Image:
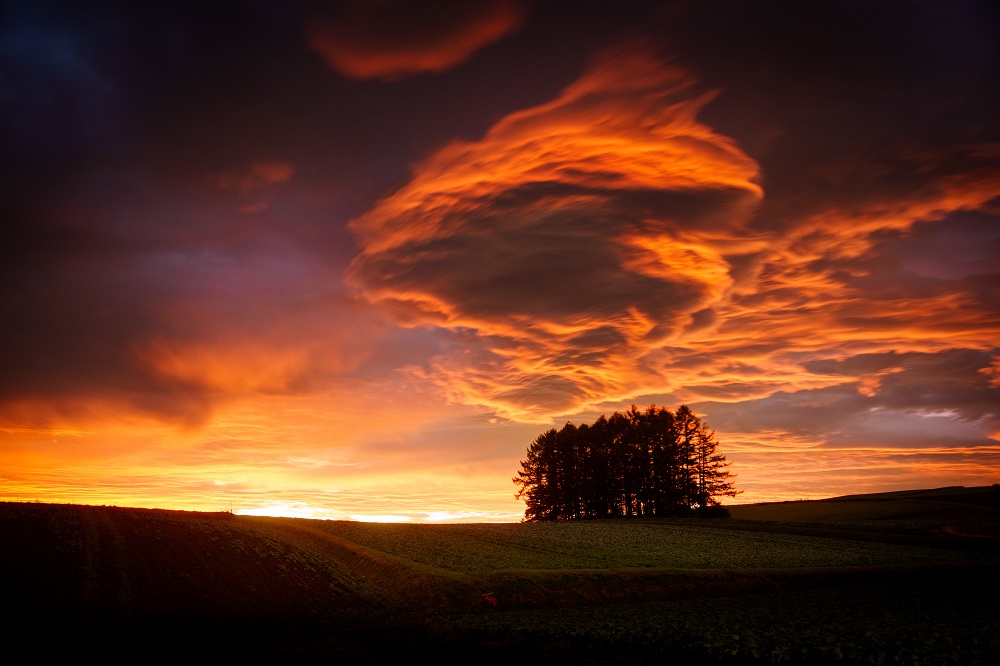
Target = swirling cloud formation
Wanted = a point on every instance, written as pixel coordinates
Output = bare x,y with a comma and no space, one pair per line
570,241
609,244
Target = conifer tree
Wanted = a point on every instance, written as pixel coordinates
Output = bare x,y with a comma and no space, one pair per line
640,463
712,470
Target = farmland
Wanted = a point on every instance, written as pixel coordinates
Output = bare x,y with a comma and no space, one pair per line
676,544
900,578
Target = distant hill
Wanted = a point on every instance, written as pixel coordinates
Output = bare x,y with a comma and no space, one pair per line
973,510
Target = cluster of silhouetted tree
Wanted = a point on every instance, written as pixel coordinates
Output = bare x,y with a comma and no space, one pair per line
640,463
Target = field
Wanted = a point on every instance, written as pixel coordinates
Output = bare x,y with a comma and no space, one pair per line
894,578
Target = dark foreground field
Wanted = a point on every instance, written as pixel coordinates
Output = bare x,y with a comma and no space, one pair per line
892,578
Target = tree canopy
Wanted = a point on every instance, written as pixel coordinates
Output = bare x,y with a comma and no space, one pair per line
640,463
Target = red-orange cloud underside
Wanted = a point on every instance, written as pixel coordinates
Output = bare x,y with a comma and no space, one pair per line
396,39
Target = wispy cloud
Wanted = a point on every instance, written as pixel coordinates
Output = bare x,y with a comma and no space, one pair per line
401,38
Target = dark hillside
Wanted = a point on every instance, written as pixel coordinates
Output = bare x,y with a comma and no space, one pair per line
127,585
109,563
963,510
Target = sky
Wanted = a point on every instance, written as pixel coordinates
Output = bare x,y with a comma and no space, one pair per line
347,260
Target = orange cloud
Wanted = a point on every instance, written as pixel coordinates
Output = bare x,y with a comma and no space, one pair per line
570,238
601,246
398,38
231,366
992,372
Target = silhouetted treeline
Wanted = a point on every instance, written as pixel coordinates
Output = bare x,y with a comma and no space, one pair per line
640,463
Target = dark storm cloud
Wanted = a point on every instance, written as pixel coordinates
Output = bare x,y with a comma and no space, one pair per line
159,253
946,381
126,298
908,400
73,297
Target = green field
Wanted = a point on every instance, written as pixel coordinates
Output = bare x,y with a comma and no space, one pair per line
894,578
676,544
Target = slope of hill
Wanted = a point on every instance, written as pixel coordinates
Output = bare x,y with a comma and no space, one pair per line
91,563
964,510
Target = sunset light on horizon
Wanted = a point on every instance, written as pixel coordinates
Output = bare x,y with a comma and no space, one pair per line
347,261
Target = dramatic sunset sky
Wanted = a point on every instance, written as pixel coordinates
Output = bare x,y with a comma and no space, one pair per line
347,260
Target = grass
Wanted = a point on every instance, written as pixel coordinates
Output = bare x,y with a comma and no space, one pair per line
842,582
679,544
